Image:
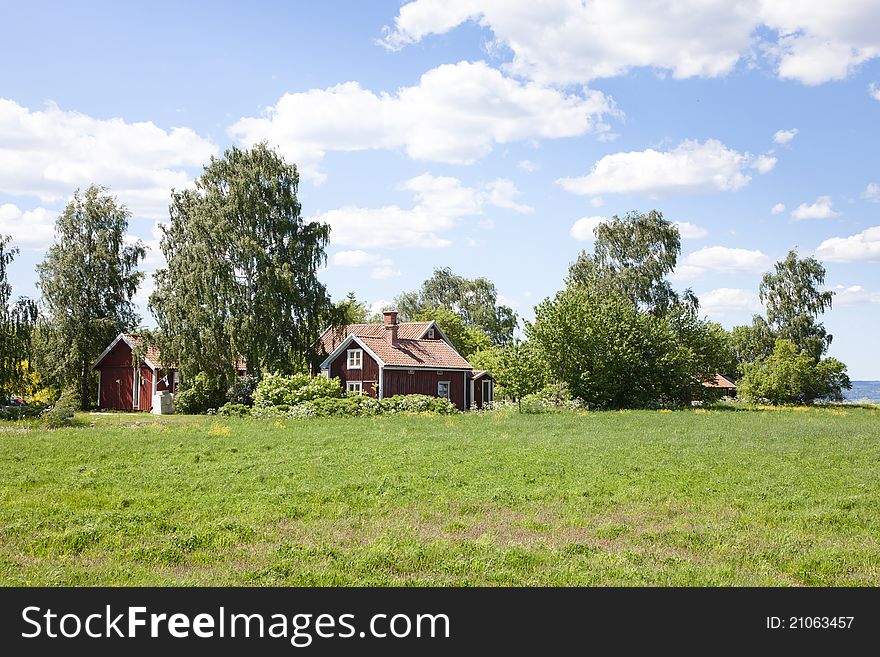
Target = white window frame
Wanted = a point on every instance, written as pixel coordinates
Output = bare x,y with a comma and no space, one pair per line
431,334
352,386
448,394
488,387
355,354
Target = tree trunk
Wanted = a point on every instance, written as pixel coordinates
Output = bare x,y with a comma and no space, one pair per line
84,388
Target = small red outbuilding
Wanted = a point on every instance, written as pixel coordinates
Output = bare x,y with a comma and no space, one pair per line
124,387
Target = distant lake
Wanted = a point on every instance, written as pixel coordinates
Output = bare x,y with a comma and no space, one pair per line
863,391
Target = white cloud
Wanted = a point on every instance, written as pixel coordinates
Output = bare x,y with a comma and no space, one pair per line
861,247
690,231
527,165
720,259
456,114
854,295
821,208
440,202
29,229
784,136
874,90
49,153
358,258
501,193
779,208
719,302
567,41
583,229
692,166
872,193
379,305
384,273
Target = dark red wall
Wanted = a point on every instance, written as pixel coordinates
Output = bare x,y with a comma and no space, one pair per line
424,382
117,381
368,375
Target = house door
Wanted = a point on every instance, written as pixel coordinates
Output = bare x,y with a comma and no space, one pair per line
487,392
117,384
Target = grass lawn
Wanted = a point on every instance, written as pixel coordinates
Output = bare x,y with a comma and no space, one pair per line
695,497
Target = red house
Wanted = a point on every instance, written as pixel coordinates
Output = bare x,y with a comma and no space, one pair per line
383,360
124,387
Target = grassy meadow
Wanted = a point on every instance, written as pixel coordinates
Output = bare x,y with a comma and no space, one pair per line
692,497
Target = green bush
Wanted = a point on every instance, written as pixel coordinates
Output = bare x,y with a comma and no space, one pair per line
62,412
418,404
791,376
242,391
198,397
234,410
276,390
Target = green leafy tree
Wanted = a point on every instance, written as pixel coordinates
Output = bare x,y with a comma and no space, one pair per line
17,321
632,256
241,279
87,280
752,342
518,368
794,299
612,355
465,339
790,375
350,311
475,301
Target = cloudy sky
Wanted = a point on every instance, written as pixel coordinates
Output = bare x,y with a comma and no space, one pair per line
490,136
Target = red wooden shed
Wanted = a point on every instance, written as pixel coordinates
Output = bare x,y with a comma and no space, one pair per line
124,387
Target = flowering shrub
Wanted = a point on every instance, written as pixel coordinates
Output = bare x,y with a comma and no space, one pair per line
277,390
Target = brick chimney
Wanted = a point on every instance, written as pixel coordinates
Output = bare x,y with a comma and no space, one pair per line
390,326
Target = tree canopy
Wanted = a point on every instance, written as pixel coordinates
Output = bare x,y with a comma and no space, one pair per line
87,280
241,279
17,321
794,298
475,301
632,255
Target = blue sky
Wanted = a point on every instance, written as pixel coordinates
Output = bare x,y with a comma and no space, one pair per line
487,136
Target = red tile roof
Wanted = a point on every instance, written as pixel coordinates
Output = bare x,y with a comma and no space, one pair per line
155,356
333,337
430,354
720,382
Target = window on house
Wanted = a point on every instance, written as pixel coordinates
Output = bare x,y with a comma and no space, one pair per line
430,334
443,389
354,386
355,359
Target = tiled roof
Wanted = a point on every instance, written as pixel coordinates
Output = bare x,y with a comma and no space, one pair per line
152,353
155,356
333,337
431,354
720,382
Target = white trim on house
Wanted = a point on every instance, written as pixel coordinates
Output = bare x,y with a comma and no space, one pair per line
433,325
355,355
122,337
136,389
343,345
99,388
381,384
351,386
488,385
464,390
472,392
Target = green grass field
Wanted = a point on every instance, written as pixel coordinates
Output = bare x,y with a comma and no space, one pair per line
718,497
